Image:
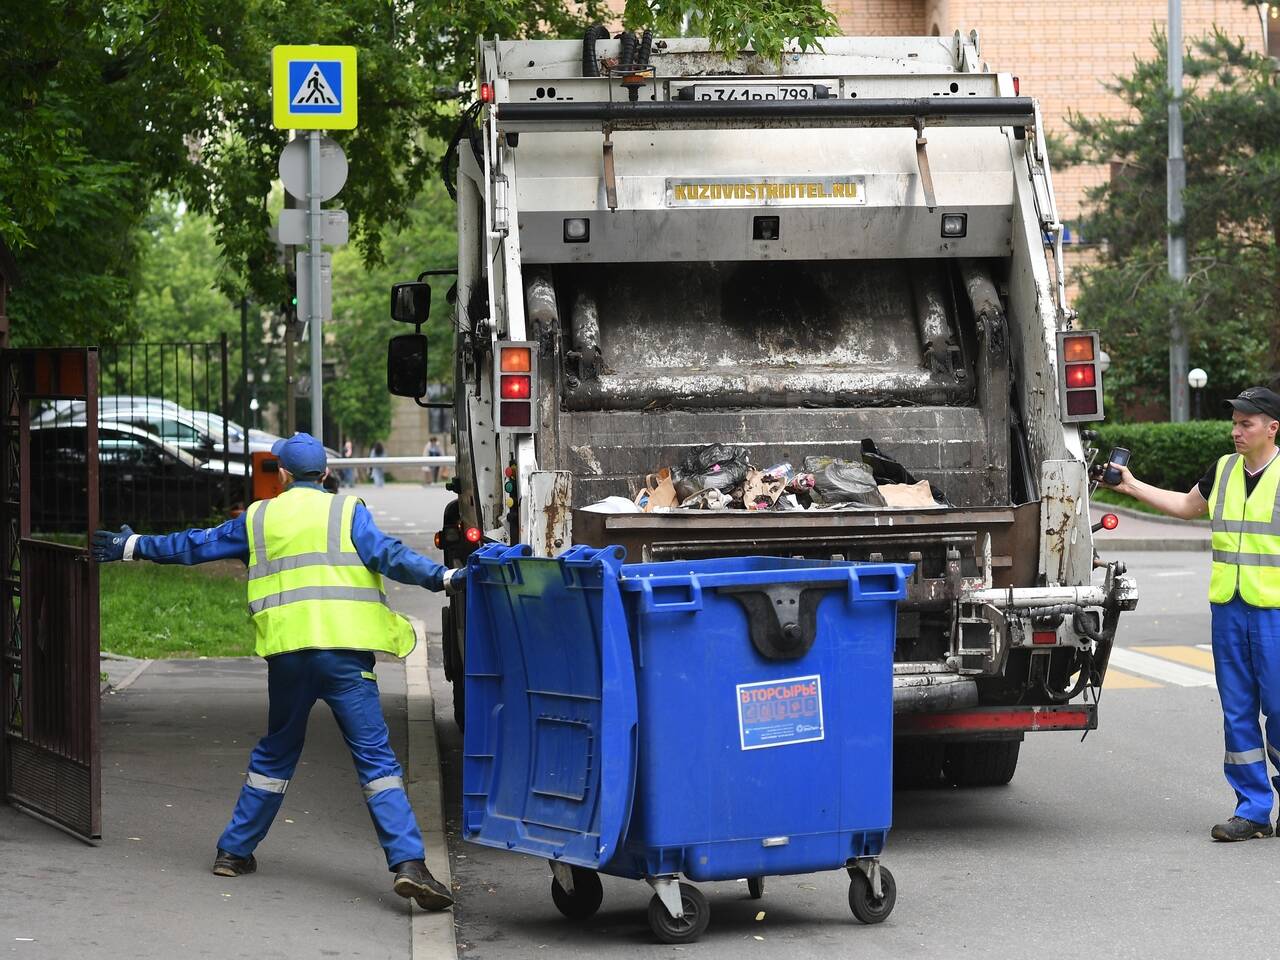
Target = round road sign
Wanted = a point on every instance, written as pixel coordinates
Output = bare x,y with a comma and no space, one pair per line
293,168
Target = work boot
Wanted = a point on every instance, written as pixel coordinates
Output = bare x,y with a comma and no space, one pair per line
414,880
1238,828
229,865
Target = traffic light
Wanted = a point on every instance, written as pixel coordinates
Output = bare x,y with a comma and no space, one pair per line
289,309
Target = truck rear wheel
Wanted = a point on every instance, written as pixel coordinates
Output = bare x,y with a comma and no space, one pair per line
917,764
981,763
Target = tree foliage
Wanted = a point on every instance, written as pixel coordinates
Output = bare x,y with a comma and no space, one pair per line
1231,119
110,102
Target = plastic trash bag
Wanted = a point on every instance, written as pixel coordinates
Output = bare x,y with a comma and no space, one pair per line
887,470
717,466
842,483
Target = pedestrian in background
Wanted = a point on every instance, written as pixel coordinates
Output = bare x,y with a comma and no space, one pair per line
432,449
377,450
1241,493
348,475
319,609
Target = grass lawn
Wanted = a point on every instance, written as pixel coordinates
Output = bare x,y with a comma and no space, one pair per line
154,611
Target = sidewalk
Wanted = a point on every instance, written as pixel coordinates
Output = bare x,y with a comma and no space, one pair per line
1146,532
176,735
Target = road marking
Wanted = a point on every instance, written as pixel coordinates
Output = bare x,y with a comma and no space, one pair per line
1129,660
1119,680
1191,656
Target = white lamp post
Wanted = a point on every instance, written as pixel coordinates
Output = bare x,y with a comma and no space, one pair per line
1197,379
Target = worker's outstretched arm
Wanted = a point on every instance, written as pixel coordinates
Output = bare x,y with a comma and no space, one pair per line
1186,506
393,559
227,541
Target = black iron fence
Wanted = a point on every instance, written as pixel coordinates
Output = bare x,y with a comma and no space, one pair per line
170,454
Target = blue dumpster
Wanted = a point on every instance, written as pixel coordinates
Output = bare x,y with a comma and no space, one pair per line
716,719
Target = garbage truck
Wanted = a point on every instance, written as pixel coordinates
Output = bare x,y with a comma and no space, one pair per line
662,246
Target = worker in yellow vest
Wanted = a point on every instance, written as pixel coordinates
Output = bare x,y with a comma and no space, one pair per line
1242,496
315,567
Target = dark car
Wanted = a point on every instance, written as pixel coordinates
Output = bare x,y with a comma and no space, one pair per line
142,480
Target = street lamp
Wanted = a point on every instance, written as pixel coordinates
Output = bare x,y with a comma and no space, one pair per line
1197,380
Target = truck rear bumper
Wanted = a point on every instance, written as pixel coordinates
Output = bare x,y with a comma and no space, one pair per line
996,722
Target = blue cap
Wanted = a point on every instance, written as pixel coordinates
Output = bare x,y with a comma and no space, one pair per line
301,454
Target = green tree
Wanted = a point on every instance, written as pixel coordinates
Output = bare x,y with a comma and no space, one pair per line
1231,115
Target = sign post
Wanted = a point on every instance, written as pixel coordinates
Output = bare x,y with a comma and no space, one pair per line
314,89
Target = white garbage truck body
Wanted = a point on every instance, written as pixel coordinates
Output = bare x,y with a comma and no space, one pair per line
855,243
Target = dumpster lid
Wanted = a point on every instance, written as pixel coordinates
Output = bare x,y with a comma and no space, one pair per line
549,748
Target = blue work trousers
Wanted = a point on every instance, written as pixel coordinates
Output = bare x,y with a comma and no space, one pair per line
344,680
1246,659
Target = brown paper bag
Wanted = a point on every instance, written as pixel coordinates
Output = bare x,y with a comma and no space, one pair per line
661,490
908,494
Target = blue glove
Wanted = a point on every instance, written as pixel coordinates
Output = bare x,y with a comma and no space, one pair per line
108,546
455,581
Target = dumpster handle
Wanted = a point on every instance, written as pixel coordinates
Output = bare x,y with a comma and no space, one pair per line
880,583
650,604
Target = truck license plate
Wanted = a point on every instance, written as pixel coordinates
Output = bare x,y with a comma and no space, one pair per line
757,91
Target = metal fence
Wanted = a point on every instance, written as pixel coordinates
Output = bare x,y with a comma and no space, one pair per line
169,454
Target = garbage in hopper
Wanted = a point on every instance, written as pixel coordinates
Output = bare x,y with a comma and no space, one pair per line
720,476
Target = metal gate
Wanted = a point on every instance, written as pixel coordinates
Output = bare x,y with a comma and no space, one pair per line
49,747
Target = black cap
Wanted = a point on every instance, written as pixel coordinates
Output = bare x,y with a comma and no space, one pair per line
1256,400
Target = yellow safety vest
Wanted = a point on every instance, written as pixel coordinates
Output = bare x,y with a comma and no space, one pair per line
308,587
1246,535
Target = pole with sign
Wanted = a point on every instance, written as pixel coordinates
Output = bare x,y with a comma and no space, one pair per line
314,89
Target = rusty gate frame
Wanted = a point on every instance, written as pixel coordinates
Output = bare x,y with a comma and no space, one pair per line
49,655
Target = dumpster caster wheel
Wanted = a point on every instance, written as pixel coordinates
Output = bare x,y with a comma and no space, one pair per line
585,899
865,907
686,929
755,887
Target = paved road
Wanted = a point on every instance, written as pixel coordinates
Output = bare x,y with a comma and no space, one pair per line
1097,847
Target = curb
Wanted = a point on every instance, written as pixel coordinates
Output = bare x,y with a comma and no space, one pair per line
431,934
1153,545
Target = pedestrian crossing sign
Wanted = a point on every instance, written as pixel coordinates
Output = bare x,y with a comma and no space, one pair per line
313,87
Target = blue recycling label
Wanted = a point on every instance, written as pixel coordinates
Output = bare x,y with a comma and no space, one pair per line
773,713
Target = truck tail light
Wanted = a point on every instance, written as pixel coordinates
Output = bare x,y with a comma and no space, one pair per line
515,387
1110,521
1044,636
473,535
486,92
1079,376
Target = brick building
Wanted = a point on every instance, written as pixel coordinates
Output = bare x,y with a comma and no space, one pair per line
1063,54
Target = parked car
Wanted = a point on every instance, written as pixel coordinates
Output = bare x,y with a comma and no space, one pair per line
198,432
143,480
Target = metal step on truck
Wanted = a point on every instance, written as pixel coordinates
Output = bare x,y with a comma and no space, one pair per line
661,246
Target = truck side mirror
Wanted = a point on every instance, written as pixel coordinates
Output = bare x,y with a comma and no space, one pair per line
407,364
411,302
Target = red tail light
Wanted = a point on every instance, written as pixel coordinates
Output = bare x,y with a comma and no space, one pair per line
473,535
1017,86
1080,375
1044,636
1110,521
486,93
515,388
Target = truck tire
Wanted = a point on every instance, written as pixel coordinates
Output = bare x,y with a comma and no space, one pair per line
981,763
917,764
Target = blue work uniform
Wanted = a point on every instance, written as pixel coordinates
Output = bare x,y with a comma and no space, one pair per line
1246,663
344,679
